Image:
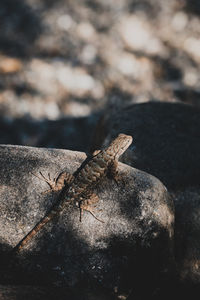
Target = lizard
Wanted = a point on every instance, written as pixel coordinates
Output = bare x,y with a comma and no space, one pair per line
77,188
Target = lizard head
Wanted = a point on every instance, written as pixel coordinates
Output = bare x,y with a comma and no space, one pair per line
119,145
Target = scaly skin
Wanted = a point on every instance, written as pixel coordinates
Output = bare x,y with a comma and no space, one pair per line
80,186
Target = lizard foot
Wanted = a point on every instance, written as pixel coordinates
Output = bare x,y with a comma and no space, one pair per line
58,182
49,181
91,211
86,204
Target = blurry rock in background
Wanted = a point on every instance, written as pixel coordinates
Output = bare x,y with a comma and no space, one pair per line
62,59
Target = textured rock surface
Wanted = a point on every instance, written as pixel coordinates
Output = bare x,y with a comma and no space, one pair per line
135,242
187,204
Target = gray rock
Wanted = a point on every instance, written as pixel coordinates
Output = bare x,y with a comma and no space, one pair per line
131,249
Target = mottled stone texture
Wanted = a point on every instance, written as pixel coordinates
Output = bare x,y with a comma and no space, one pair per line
132,249
187,235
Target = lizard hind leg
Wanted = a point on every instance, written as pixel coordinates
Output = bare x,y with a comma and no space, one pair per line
86,205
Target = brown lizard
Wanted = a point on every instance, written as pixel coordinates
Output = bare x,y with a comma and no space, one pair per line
77,188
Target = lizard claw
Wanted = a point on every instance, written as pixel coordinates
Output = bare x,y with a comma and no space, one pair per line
48,180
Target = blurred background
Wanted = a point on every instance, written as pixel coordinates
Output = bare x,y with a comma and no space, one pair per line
64,62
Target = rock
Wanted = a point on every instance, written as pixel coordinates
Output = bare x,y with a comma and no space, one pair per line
187,204
24,292
166,140
58,78
132,249
13,292
166,143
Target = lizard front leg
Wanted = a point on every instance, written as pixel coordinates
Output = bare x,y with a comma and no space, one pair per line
113,172
95,152
56,184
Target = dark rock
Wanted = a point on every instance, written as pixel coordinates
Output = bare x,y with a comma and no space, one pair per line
132,249
166,143
187,235
22,292
166,140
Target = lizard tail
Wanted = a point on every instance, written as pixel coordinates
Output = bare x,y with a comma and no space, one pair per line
35,230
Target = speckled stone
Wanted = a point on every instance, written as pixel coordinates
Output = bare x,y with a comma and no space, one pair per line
132,248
